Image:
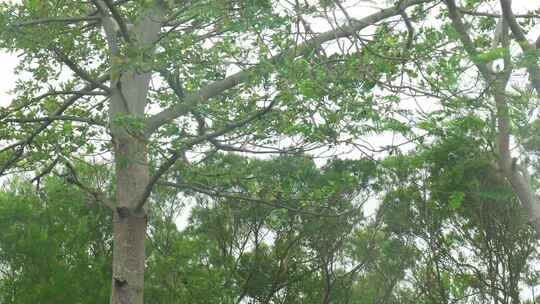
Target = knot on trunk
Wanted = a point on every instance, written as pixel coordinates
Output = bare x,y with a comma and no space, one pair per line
120,282
123,212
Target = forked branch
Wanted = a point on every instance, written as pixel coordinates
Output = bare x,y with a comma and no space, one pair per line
187,104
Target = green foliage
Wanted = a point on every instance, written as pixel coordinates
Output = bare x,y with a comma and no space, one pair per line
129,122
493,54
237,249
447,198
55,246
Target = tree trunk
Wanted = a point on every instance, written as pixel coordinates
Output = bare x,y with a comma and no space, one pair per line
129,90
132,177
129,225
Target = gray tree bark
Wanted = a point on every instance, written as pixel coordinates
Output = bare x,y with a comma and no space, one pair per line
129,91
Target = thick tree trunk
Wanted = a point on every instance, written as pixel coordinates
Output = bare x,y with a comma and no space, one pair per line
132,177
129,88
129,225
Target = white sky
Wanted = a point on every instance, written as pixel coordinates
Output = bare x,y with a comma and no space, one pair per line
7,77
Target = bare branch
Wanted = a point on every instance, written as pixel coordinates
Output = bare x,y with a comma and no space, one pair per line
512,22
67,20
492,15
45,171
236,196
410,31
232,148
98,195
88,120
79,71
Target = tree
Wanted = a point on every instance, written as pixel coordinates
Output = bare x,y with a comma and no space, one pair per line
268,254
55,245
496,81
230,252
196,105
448,201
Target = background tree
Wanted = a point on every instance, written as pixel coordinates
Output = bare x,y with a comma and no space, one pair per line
229,252
55,245
464,218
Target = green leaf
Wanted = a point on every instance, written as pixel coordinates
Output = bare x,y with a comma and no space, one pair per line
456,199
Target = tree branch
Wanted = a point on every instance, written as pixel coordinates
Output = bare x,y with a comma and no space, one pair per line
24,142
11,109
498,83
485,14
204,137
466,40
235,196
529,50
517,175
98,195
218,87
119,20
108,26
89,121
44,172
79,71
67,20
